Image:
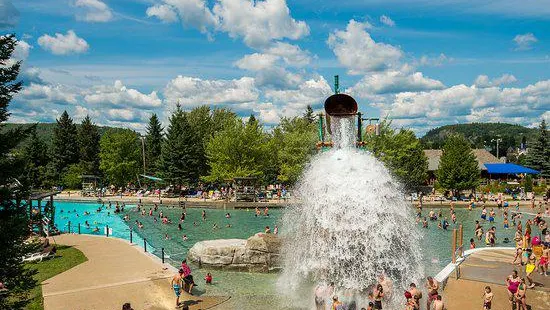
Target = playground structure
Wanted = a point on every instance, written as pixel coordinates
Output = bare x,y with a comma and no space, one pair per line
343,106
41,214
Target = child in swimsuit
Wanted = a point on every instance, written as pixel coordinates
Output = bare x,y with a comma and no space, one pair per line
543,262
487,298
520,296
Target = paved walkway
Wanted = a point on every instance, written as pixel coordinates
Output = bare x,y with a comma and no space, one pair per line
491,268
116,272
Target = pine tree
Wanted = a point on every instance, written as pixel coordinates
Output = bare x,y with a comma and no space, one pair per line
153,144
458,167
181,152
538,157
88,140
309,115
37,158
65,143
14,221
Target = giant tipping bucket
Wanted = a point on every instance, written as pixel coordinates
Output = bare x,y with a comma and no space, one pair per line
340,105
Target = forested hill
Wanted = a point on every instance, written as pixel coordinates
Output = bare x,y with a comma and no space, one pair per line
480,135
45,130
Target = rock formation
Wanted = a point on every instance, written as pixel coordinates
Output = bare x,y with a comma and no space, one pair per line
259,253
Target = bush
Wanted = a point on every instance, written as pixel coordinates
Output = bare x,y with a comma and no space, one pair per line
528,184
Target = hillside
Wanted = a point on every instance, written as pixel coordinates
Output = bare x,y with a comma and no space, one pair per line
480,135
45,130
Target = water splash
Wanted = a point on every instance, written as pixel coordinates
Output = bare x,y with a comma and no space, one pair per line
353,224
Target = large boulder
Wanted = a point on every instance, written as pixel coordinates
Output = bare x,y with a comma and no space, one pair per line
260,253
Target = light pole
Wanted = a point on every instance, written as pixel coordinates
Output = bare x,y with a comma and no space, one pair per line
142,138
498,140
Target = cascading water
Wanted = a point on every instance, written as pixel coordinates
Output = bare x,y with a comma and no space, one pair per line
352,225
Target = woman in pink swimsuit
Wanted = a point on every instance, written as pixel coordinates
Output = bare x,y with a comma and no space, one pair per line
512,283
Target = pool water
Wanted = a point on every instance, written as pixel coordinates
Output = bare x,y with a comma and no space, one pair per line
253,290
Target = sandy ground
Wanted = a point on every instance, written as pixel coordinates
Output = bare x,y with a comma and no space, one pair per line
491,268
115,273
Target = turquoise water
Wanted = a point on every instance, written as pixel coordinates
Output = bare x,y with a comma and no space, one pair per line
74,213
251,289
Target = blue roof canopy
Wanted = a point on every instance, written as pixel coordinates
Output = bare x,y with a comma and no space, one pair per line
508,168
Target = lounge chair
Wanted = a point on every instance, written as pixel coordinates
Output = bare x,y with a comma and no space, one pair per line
38,257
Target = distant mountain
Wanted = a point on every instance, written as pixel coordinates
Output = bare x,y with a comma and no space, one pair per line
45,130
481,134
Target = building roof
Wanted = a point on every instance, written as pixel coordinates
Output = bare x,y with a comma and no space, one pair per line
501,168
482,156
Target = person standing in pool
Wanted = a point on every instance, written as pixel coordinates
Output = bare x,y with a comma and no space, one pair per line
484,214
187,277
177,284
203,215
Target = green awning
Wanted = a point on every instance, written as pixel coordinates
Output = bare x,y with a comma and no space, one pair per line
151,178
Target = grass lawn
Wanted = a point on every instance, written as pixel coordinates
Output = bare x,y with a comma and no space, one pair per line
67,257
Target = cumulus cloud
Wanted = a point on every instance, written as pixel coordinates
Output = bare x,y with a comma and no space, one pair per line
461,103
292,55
256,61
163,12
357,51
120,95
386,20
525,41
310,92
21,51
259,22
194,13
9,15
49,93
192,91
393,82
63,44
94,11
483,81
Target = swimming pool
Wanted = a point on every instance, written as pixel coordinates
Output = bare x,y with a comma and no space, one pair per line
249,290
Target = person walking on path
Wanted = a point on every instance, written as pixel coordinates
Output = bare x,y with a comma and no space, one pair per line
176,285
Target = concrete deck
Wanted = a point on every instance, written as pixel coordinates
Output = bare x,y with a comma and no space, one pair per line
115,273
491,267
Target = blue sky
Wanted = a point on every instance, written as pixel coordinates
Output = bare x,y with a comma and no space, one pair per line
421,63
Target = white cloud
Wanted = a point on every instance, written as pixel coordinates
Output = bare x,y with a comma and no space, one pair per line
256,61
120,95
393,82
292,55
357,51
48,93
277,77
191,91
310,92
483,81
194,13
259,22
62,44
525,41
163,12
386,20
94,11
461,103
22,50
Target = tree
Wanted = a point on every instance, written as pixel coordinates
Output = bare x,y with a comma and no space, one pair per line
88,140
239,150
295,141
458,167
200,121
120,156
538,156
401,152
36,156
14,223
153,144
65,143
309,115
181,151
